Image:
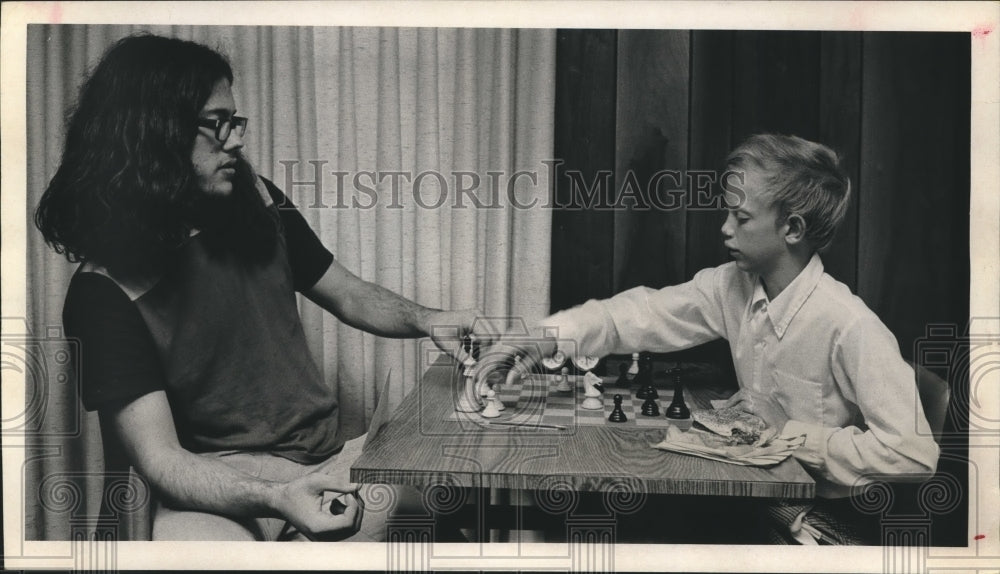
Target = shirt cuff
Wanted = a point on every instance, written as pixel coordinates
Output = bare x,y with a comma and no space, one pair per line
586,330
813,451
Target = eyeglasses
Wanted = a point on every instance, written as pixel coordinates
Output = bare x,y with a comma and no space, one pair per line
223,128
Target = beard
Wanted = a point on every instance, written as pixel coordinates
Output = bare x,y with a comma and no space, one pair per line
237,224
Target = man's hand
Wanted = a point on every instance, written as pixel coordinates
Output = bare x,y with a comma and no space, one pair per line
302,502
531,347
764,406
448,328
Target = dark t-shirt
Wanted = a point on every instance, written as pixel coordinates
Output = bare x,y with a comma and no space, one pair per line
223,339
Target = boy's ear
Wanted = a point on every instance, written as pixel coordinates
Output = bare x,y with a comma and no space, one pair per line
796,229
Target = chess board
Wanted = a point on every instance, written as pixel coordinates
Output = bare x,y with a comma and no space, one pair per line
536,401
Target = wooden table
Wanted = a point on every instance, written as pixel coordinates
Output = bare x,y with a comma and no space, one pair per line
418,446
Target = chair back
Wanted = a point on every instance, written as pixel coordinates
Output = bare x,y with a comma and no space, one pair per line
934,397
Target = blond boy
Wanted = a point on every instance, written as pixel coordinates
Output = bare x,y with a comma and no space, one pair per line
810,357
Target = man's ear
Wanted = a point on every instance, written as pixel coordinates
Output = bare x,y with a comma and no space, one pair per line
796,226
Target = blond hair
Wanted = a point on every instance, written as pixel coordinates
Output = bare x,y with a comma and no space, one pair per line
801,178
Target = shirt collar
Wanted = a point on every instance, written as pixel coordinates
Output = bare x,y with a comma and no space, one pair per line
783,309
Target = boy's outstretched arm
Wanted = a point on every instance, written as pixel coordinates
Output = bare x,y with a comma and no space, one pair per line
639,319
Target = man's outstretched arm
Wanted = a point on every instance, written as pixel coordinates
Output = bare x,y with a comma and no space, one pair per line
377,310
186,480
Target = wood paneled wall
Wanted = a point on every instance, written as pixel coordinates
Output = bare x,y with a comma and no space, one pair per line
895,105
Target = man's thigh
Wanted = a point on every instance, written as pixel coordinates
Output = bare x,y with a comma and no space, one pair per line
171,524
174,524
181,524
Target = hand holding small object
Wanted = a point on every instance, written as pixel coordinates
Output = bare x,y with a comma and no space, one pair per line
765,407
302,503
531,348
448,330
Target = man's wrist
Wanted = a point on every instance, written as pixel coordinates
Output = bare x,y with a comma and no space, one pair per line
424,320
274,499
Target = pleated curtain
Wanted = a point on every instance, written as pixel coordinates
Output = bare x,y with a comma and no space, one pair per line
345,115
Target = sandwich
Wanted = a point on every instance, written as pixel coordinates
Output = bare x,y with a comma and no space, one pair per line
736,426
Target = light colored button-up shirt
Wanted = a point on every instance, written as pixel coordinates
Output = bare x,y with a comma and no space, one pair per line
826,358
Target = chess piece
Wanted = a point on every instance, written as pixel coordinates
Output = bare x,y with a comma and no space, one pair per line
555,361
650,408
623,380
592,389
475,344
633,369
564,386
467,347
495,386
617,414
468,400
491,411
642,389
586,363
645,379
677,408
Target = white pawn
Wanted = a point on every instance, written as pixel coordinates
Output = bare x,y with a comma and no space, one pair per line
633,369
491,411
564,386
592,388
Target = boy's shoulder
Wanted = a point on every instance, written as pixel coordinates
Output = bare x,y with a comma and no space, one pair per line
829,301
840,304
728,276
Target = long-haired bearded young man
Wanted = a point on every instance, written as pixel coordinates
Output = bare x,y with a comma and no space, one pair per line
192,349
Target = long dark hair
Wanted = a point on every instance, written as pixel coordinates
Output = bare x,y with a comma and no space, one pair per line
125,194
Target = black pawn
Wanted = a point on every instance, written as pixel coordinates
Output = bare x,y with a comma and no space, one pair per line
651,392
677,408
617,414
622,375
650,408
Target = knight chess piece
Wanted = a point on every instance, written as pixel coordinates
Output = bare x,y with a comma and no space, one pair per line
617,414
677,408
592,389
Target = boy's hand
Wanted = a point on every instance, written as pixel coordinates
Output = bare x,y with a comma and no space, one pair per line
764,406
734,400
531,349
